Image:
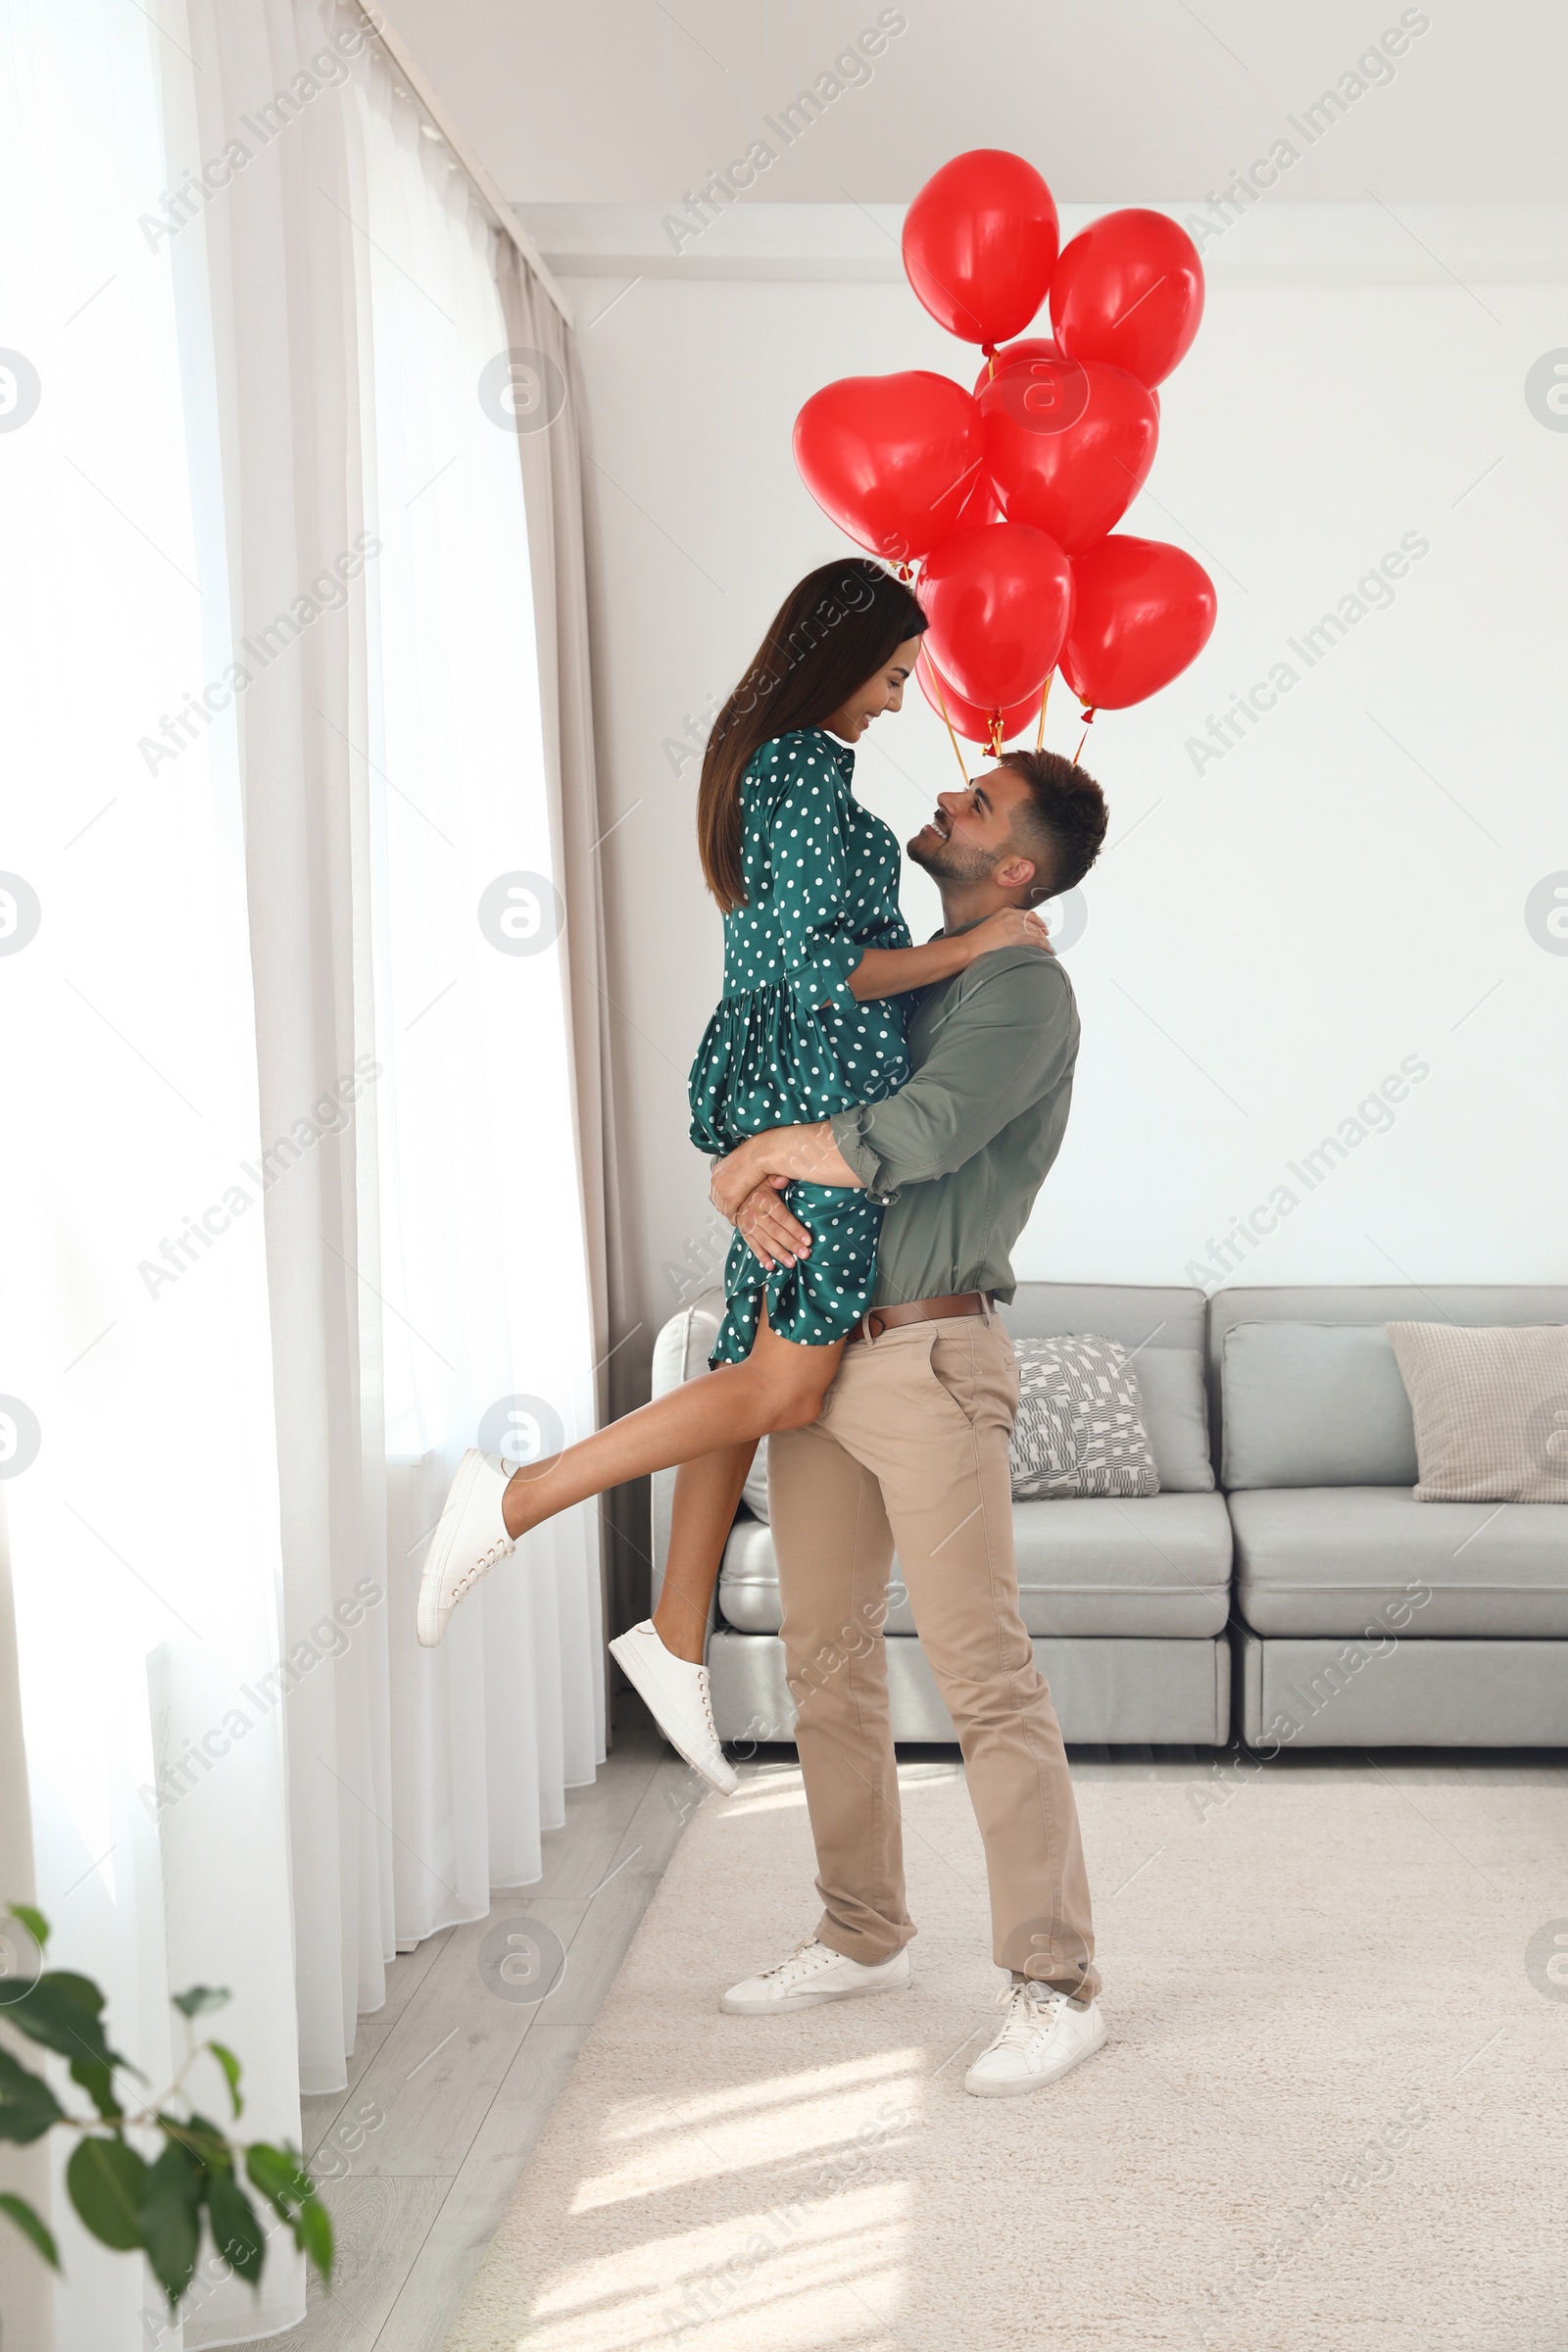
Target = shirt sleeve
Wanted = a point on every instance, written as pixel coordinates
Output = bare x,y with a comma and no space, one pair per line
811,882
1009,1037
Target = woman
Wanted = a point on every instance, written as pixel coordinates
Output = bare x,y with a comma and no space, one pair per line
816,960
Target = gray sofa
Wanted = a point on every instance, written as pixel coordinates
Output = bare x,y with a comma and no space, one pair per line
1365,1618
1284,1563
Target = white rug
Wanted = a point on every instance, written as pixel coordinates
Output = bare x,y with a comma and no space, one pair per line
1332,2112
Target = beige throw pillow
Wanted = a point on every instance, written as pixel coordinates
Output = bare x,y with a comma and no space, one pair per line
1491,1410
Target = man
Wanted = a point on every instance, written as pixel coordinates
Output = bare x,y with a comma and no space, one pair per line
911,1449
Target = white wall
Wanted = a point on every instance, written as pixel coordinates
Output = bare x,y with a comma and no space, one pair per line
1341,895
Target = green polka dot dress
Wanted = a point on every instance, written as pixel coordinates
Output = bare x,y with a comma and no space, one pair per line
789,1043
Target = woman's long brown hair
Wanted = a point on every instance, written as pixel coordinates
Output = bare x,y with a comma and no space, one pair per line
832,632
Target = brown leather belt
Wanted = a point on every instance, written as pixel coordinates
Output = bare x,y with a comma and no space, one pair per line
920,1311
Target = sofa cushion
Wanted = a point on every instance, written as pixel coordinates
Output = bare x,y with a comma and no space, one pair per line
1341,1560
1491,1409
1314,1405
1153,1565
1170,1381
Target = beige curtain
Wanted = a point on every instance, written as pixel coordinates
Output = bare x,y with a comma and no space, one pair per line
549,416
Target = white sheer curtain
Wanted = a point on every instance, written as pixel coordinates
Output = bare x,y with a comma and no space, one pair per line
283,811
136,1438
481,1242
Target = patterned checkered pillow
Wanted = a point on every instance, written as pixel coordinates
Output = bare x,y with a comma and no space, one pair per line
1491,1410
1080,1426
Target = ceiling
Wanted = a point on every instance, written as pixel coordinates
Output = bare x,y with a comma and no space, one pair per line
637,101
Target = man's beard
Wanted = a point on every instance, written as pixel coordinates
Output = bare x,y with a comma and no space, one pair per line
949,862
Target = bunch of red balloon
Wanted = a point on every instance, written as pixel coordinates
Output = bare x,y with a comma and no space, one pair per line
1006,497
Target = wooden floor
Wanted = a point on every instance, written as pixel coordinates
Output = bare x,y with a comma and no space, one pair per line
450,2083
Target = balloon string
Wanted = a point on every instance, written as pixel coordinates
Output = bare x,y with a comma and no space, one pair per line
1088,720
994,744
1045,697
948,724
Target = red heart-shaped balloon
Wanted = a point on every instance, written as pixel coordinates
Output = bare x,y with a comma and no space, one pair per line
1142,610
981,505
893,458
1128,290
999,600
967,718
980,243
1068,447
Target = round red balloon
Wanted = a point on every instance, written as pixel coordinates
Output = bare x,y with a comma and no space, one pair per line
1068,447
1142,610
1015,354
999,600
965,717
893,458
980,243
1128,289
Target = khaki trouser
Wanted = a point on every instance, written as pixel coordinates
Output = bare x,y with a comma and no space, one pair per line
911,1451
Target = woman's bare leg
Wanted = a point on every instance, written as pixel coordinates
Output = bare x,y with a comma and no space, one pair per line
780,1386
706,1493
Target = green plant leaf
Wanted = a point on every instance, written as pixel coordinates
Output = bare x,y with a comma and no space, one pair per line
171,2218
34,1922
231,2071
108,2181
201,2139
279,2175
200,1999
313,2234
98,2081
62,2011
238,2233
28,2105
30,2224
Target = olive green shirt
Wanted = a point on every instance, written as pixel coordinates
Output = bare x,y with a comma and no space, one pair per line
959,1152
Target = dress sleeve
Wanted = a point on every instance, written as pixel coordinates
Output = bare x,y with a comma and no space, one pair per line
810,882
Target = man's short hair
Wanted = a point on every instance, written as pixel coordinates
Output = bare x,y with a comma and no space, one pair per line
1062,825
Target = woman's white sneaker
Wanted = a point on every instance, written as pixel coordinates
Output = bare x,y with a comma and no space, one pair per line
678,1699
1043,2037
468,1541
812,1974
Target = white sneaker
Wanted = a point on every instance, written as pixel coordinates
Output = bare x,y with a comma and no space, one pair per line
812,1974
470,1539
678,1699
1043,2039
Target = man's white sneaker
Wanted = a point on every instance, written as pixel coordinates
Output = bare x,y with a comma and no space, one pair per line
678,1699
812,1974
468,1541
1043,2039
